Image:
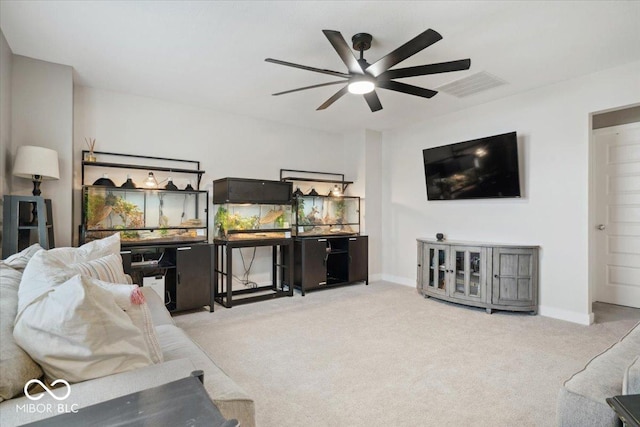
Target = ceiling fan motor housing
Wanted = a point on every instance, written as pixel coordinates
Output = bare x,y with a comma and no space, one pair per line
361,41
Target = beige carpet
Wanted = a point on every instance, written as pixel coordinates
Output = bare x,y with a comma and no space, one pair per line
382,355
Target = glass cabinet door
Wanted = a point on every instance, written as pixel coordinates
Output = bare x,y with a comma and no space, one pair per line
437,268
468,272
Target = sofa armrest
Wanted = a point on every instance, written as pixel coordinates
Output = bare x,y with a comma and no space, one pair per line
631,380
159,313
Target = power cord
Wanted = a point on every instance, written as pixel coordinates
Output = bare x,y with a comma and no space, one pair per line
245,276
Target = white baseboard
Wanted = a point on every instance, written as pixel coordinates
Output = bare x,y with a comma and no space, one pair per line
555,313
375,277
569,316
399,280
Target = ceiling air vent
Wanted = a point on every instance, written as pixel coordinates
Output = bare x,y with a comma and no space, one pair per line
472,84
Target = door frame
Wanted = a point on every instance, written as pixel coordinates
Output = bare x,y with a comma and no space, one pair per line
591,231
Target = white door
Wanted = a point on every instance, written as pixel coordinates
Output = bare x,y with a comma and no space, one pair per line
617,226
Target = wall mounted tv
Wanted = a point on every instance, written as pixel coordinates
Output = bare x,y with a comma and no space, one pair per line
478,169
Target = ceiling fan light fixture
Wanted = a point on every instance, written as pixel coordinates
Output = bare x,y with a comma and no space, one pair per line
361,86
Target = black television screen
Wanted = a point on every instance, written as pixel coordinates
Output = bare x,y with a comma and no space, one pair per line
477,169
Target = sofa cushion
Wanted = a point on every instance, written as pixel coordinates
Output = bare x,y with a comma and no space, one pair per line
47,269
232,401
631,380
77,332
16,367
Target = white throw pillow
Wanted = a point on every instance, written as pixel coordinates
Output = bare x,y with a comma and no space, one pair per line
48,268
77,332
16,367
131,300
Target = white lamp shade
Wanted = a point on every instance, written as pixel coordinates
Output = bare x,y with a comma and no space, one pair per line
31,160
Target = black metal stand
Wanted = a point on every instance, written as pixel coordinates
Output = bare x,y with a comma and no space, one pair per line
281,272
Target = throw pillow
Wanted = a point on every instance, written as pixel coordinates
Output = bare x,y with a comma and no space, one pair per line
47,269
16,367
77,332
130,299
20,260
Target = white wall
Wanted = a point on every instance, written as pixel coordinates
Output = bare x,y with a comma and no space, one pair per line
227,145
363,150
42,114
553,126
6,60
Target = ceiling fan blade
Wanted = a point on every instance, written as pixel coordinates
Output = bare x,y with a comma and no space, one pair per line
344,51
421,70
411,47
308,87
373,101
405,88
333,99
304,67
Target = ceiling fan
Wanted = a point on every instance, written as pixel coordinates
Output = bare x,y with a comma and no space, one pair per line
363,77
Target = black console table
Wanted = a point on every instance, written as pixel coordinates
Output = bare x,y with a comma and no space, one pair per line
281,272
178,403
627,408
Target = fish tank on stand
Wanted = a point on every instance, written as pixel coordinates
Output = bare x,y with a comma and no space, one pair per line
162,217
252,219
329,249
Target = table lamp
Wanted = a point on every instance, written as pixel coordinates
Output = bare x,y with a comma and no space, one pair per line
37,164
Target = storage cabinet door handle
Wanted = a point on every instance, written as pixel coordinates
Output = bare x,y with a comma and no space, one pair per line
496,276
322,240
353,239
178,278
186,248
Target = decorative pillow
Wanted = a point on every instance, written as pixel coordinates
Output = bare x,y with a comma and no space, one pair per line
77,332
131,300
16,367
20,260
47,269
631,379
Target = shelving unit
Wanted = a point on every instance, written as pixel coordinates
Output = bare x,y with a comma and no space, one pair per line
27,220
164,232
293,175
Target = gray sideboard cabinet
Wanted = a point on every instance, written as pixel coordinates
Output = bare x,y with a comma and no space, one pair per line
488,275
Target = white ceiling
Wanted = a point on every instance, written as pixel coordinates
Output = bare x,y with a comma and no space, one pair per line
211,54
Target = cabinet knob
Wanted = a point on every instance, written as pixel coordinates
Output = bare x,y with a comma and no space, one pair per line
496,276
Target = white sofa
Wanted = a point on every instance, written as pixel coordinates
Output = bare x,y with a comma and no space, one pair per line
615,371
181,357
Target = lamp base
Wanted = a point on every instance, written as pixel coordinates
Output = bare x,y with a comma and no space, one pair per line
37,179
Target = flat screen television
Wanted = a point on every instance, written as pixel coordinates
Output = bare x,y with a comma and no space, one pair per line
478,169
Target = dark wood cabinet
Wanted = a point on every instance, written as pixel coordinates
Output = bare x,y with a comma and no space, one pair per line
330,261
184,273
358,259
193,276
